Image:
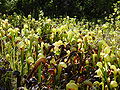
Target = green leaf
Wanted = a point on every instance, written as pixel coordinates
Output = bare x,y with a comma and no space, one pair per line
30,60
113,84
71,86
99,64
87,82
102,42
62,64
107,50
107,58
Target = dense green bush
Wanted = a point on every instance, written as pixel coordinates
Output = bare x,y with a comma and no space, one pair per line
55,8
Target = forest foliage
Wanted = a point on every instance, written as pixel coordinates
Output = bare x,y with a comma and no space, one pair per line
55,8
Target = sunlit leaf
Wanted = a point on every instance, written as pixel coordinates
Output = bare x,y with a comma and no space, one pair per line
113,84
107,50
71,86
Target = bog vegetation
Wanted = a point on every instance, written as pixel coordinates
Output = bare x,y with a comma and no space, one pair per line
60,53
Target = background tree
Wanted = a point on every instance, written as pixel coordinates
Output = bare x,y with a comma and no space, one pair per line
54,8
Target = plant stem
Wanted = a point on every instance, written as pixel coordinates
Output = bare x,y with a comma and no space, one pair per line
22,61
39,72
